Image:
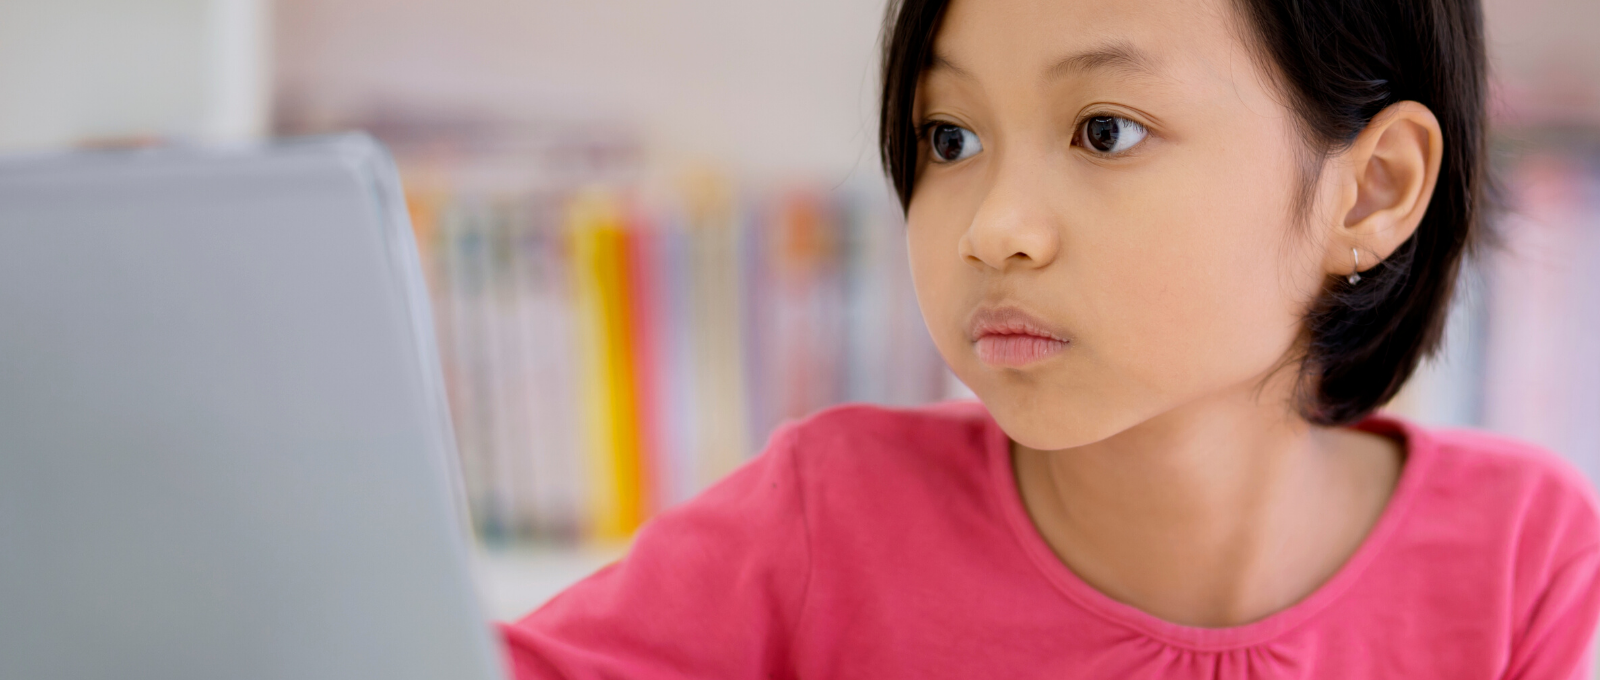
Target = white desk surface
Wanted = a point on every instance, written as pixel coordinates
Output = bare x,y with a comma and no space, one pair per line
514,582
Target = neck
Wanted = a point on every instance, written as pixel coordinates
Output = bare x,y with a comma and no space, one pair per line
1216,513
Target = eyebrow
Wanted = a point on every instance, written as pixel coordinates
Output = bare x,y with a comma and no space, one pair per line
1120,56
1113,56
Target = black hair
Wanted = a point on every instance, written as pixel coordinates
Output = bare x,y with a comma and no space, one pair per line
1337,63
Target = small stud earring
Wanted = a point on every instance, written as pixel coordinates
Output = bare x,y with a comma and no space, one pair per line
1355,274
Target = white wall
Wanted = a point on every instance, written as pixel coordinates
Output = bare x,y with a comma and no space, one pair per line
77,70
781,86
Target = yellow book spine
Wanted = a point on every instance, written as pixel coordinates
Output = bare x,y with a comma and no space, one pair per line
606,372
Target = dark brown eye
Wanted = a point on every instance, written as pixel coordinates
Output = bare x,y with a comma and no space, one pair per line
952,143
1111,134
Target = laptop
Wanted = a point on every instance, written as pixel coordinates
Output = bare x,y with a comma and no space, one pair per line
225,450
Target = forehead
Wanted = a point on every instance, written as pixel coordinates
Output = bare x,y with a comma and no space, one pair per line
1044,39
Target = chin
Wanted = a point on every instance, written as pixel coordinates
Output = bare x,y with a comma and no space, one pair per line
1049,418
1047,432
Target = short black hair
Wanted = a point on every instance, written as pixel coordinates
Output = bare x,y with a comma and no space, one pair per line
1337,63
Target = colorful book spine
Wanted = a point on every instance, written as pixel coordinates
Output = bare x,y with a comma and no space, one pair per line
641,255
597,234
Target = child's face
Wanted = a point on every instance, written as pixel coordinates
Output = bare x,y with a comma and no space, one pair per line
1137,202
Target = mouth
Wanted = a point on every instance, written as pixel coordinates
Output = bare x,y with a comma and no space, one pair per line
1007,337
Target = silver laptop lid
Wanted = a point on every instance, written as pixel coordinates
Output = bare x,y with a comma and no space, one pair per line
224,449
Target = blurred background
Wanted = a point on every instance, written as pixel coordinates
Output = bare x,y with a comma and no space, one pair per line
652,231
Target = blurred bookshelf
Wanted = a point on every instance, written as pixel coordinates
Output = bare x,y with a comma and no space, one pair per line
613,343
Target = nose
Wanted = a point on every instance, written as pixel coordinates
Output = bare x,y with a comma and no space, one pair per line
1014,227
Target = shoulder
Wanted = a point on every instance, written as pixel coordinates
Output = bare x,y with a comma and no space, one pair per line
854,445
874,427
1528,476
858,453
1546,508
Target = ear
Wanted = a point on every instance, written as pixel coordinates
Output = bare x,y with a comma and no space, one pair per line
1385,178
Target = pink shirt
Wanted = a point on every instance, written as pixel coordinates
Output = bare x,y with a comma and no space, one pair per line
876,543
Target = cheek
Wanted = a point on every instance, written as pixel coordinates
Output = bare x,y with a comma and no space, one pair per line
934,226
1193,286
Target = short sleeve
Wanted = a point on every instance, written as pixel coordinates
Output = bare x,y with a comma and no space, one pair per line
1558,639
710,589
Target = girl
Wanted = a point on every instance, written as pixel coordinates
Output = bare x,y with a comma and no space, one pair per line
1180,250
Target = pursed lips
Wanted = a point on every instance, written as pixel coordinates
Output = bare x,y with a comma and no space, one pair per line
1011,338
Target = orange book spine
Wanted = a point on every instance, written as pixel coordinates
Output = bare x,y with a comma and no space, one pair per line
644,302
